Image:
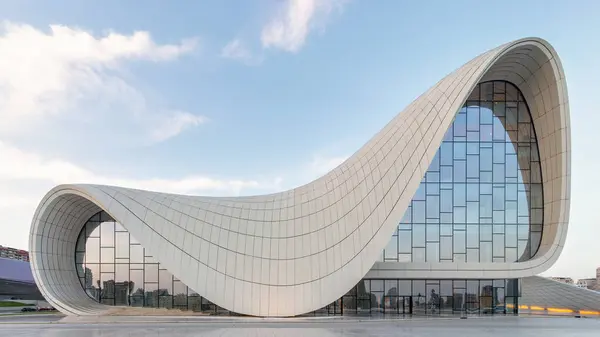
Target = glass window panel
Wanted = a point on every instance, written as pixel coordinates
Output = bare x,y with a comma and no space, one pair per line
460,171
498,245
107,234
460,214
472,255
460,195
405,245
473,236
107,255
107,267
499,133
122,244
418,236
498,198
433,177
485,206
472,166
511,235
460,150
485,232
405,287
472,212
460,125
472,148
418,288
376,285
151,273
433,233
460,245
485,252
433,251
418,208
418,254
446,154
472,192
433,206
391,250
473,118
137,254
165,281
446,174
485,133
92,250
121,273
499,153
446,247
485,159
486,116
391,287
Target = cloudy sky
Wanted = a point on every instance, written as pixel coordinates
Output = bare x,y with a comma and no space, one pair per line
243,97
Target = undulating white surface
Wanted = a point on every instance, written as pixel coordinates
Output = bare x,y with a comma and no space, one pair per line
296,251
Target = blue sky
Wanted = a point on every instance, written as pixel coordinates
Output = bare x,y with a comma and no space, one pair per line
244,97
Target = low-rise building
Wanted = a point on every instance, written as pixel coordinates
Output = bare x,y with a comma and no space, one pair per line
14,253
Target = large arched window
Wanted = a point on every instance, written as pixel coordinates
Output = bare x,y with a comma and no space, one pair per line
481,199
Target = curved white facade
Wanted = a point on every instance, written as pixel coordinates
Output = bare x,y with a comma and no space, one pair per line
296,251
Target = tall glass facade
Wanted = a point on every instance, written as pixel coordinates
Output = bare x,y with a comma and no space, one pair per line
480,201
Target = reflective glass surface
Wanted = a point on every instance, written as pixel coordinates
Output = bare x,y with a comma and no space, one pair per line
115,269
481,198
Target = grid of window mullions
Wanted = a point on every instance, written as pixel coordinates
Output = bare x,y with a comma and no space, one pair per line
394,296
108,256
502,233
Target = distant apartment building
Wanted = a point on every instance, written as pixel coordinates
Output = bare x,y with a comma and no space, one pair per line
14,254
588,283
566,280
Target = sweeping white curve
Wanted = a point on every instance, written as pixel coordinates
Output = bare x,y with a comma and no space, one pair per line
296,251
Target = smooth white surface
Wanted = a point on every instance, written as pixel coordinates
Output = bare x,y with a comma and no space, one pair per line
296,251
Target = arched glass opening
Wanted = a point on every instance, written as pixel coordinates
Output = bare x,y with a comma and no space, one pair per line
115,269
481,199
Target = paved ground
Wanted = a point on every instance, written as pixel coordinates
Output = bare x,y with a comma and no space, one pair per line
502,326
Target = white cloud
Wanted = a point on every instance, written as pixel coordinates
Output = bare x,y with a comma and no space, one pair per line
19,165
236,50
174,123
68,72
25,177
292,23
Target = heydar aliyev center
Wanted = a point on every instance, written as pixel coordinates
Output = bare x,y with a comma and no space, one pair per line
455,202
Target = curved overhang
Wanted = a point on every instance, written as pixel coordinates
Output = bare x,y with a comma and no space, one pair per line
292,252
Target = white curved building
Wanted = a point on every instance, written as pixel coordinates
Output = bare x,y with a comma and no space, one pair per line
471,182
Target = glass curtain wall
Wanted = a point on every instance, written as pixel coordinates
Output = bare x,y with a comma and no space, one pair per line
115,269
481,199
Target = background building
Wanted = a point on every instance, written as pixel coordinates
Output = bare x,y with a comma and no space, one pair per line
16,281
561,279
13,253
588,283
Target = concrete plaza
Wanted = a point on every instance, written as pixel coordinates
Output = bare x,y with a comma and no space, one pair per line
52,325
